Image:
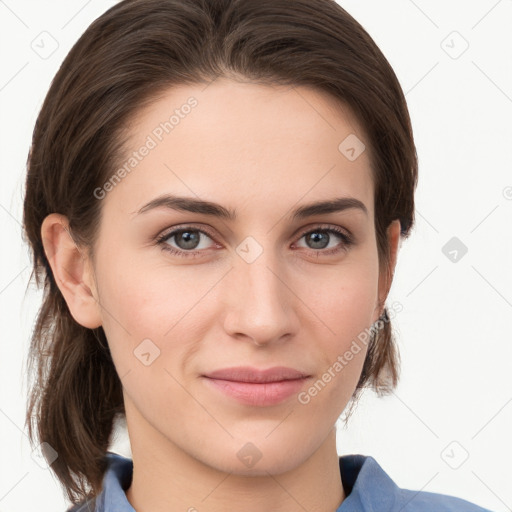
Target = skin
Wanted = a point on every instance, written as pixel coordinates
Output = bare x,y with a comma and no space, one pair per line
262,151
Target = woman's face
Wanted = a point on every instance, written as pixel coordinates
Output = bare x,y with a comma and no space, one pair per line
263,288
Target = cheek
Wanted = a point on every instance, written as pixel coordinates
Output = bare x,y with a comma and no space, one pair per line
344,299
346,309
344,306
143,301
149,332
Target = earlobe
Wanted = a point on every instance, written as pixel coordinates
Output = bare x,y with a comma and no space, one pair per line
71,270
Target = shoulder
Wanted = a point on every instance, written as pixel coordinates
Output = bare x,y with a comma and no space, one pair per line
84,506
421,501
370,488
117,477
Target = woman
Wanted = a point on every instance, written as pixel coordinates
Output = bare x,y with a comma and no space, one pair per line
215,197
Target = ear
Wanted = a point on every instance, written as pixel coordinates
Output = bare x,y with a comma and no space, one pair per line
72,271
386,276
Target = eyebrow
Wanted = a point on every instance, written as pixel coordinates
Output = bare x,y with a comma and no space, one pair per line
189,204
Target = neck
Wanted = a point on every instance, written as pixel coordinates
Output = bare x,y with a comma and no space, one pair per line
169,479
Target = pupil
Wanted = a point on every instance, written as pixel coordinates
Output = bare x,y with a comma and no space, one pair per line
189,238
317,239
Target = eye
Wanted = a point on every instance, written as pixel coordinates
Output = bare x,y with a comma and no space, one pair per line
319,238
188,241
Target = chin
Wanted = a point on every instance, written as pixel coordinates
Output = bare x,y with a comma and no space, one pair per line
259,457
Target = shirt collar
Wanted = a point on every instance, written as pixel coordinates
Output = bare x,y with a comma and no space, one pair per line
117,479
367,486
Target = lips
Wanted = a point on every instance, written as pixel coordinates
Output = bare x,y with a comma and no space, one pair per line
254,387
248,374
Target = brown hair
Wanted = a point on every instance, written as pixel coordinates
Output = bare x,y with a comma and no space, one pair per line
123,61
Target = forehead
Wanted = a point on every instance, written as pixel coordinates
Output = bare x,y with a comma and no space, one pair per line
244,143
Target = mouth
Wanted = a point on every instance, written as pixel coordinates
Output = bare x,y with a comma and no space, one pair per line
255,387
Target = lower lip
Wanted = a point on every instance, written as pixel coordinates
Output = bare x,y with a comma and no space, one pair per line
262,394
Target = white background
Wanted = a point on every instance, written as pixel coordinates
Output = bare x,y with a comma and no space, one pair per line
454,399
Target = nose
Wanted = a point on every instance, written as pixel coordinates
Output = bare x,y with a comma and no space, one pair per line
261,305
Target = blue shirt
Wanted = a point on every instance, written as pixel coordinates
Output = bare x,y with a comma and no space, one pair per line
367,487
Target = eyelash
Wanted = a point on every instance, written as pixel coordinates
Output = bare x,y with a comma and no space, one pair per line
347,241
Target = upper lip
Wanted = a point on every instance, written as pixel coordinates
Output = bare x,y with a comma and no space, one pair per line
249,374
